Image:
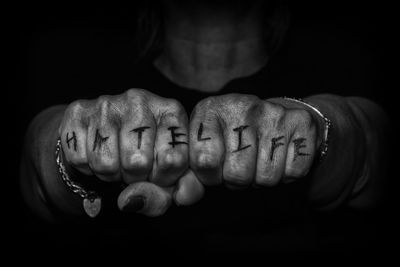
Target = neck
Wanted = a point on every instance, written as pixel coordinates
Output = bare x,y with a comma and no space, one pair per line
205,49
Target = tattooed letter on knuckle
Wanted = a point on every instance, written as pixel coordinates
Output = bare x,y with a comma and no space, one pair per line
174,135
72,138
140,131
239,130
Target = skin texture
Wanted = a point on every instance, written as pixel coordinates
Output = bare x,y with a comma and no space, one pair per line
224,159
111,149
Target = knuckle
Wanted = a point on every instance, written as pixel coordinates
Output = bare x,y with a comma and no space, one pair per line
133,92
203,107
76,159
303,117
103,103
274,112
136,163
173,161
235,178
208,102
75,109
206,162
136,97
109,109
104,165
138,93
174,106
239,102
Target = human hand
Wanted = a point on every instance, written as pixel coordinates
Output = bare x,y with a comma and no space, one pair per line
241,140
138,138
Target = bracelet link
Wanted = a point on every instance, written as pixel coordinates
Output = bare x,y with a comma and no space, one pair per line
91,200
327,127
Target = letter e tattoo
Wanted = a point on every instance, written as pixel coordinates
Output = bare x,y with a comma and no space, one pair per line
298,144
174,135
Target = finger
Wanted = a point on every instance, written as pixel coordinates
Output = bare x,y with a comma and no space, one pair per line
301,149
102,144
272,146
137,143
171,145
240,144
206,145
145,198
73,134
189,189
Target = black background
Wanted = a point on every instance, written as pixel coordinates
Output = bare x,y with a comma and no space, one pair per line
60,52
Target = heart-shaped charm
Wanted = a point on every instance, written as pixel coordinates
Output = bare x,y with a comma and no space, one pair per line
92,206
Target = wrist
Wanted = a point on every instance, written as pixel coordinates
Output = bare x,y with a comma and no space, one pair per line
333,180
324,125
57,196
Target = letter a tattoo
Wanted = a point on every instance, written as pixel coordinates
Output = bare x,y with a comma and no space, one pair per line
73,138
298,144
99,140
200,133
140,131
240,130
174,135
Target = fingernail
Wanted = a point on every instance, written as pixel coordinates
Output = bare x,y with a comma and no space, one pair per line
134,204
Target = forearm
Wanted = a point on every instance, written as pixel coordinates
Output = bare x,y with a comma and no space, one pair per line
354,167
41,185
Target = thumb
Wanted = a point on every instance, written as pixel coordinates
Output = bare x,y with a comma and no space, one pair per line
189,189
146,198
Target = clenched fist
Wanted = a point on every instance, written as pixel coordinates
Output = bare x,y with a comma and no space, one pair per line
241,140
138,138
146,142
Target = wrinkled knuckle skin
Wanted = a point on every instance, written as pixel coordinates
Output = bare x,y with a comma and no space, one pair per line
136,163
173,106
274,113
134,93
75,159
104,104
205,163
238,103
136,97
103,165
242,99
75,111
173,162
233,178
75,107
203,107
303,117
276,110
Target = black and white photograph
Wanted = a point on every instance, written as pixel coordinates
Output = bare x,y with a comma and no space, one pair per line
177,132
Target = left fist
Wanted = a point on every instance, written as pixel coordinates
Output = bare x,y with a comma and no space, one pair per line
241,140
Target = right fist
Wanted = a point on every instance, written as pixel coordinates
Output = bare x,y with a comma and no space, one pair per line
134,137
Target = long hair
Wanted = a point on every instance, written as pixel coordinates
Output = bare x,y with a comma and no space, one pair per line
149,36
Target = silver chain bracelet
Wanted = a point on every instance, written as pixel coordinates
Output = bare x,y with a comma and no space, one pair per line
327,127
91,200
